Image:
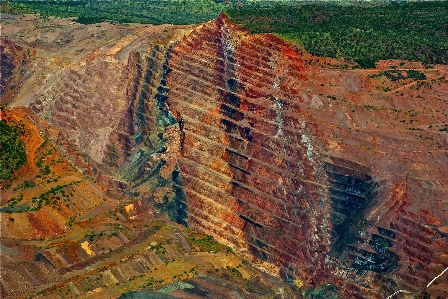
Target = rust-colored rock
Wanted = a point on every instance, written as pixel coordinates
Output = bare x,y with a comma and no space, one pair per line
45,192
14,61
313,172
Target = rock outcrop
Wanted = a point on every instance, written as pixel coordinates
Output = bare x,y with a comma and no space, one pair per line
332,177
14,61
106,98
313,172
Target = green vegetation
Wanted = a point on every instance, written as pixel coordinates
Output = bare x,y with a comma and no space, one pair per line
90,236
206,244
12,206
12,149
70,221
40,160
360,33
325,291
25,185
130,11
229,250
49,197
158,246
423,295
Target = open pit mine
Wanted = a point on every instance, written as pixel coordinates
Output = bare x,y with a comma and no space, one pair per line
331,177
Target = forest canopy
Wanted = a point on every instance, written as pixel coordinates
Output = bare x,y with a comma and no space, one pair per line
360,33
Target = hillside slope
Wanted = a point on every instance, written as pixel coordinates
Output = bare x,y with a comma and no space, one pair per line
62,236
311,170
329,176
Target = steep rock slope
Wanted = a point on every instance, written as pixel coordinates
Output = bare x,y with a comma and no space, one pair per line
316,173
45,192
62,236
81,78
14,60
102,86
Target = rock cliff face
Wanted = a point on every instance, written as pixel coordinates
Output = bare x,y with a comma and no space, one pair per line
312,169
14,60
313,172
102,87
63,237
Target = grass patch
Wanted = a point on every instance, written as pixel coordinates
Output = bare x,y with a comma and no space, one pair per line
206,244
52,197
396,75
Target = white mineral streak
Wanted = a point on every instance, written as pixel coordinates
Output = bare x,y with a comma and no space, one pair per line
309,147
278,117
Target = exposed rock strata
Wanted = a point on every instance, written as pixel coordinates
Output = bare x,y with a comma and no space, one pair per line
13,60
314,171
103,89
309,182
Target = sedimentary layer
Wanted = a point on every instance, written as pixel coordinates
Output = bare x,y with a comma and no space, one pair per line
310,170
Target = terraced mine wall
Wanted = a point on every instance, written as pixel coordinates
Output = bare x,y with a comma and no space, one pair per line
332,178
114,123
14,60
239,167
145,148
260,171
